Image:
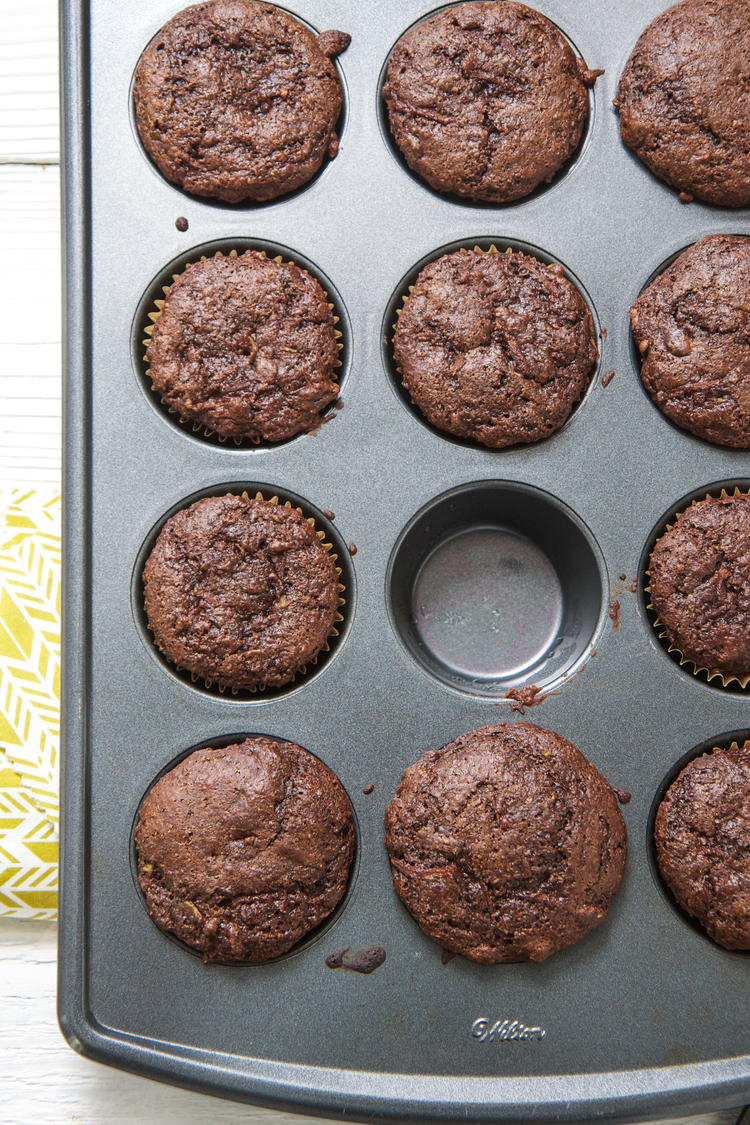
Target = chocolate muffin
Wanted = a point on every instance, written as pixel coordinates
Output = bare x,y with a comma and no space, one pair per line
246,346
237,100
692,329
684,100
699,577
506,845
244,850
240,592
486,100
701,832
495,347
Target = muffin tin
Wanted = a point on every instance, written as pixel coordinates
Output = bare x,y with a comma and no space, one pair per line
645,1016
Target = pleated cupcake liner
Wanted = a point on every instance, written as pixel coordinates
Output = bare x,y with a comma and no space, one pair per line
156,311
727,678
338,619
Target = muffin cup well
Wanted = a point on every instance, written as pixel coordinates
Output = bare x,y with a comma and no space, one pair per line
150,309
707,675
496,587
330,540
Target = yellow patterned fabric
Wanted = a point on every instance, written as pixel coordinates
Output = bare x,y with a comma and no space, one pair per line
29,703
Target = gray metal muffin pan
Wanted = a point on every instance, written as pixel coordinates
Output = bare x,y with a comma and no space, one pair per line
644,1017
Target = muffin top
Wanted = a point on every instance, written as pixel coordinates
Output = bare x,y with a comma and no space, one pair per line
240,592
495,347
692,329
699,575
238,100
486,100
246,346
506,845
244,850
684,100
701,831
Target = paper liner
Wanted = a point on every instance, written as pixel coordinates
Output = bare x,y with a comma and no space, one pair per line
726,678
334,632
153,316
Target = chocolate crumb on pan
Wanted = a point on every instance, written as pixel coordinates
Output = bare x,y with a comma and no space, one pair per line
496,348
692,330
246,347
241,592
684,100
362,961
486,100
701,834
527,696
181,223
237,100
699,586
244,850
506,845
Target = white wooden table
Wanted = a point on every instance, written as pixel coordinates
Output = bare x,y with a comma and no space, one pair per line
41,1079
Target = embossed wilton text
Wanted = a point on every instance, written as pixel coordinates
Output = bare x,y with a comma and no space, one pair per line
483,1030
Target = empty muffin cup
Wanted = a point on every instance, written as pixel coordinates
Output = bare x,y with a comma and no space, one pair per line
494,585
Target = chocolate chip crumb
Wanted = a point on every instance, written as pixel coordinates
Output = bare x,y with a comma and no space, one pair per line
614,614
632,586
527,696
329,515
363,961
686,197
352,548
623,577
590,76
182,224
332,43
607,378
622,795
603,335
368,789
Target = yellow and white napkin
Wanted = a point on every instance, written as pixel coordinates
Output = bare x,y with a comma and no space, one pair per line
29,702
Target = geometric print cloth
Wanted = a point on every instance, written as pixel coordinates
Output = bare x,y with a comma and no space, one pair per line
29,703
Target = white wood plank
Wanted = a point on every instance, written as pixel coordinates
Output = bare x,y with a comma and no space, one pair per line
29,130
30,325
43,1082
